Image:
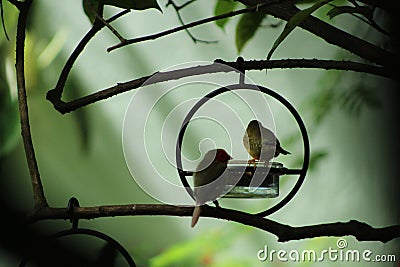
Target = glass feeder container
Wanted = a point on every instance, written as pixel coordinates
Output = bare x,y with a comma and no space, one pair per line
253,180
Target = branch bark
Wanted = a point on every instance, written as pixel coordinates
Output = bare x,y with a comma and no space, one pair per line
331,34
192,24
38,192
285,10
56,93
54,96
361,231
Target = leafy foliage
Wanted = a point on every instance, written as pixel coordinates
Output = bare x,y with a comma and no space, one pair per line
2,19
9,122
221,7
366,11
316,158
9,118
296,20
355,100
247,27
200,251
322,102
338,91
91,6
81,116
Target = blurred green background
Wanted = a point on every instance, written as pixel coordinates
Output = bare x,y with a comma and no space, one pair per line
351,119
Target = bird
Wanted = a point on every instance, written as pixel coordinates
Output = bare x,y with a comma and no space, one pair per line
261,143
209,181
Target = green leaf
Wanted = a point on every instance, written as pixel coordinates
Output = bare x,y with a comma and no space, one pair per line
198,251
362,10
360,97
297,19
81,116
322,103
9,124
222,7
247,27
90,7
132,4
2,20
9,119
316,158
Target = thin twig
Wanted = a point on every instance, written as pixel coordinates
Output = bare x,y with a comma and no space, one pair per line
361,231
38,193
185,4
192,24
158,77
108,25
56,93
177,10
333,35
118,15
368,20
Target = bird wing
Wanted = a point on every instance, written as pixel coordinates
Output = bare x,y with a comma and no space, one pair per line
246,142
267,135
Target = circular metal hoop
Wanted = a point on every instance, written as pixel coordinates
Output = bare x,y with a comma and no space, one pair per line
293,111
100,235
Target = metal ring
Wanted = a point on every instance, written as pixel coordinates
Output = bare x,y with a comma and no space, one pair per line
293,111
82,231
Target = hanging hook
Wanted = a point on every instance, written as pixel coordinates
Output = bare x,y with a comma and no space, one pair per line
240,68
72,203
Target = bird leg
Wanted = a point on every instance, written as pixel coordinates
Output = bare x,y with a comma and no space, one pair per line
216,204
252,161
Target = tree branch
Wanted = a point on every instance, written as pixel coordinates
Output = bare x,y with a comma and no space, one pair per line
286,10
56,93
38,193
178,14
193,24
361,231
65,107
332,34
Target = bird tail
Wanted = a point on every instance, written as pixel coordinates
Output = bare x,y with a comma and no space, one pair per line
196,215
284,152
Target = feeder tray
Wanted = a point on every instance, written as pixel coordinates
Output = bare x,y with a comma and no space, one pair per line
268,174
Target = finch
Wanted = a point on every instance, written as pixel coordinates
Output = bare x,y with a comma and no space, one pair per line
207,186
261,143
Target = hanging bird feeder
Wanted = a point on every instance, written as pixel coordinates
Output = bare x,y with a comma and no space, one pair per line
258,180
